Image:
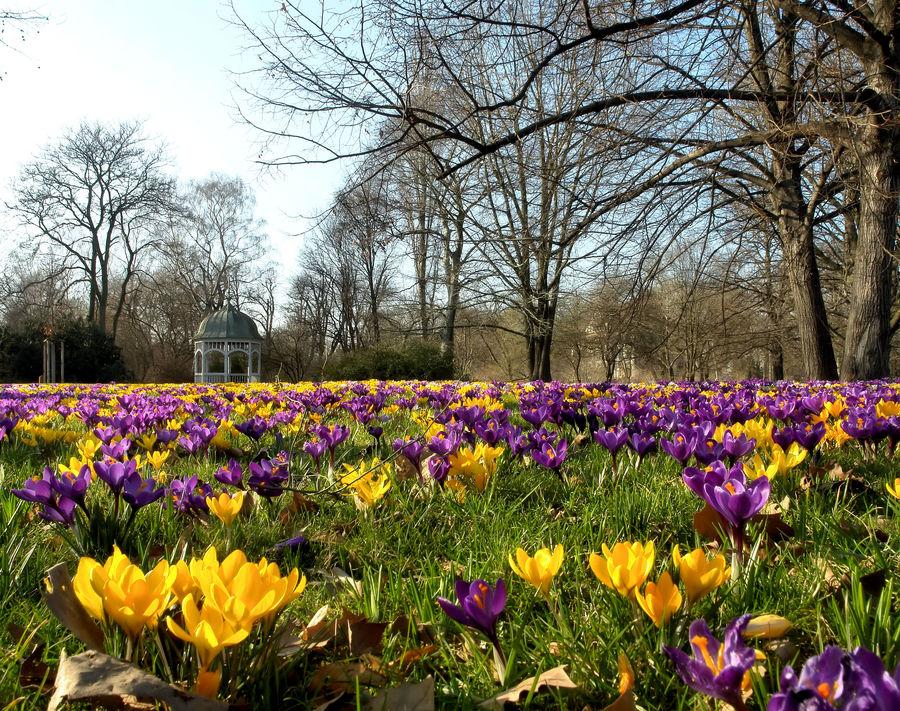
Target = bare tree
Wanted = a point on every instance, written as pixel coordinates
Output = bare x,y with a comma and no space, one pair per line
840,96
214,246
93,199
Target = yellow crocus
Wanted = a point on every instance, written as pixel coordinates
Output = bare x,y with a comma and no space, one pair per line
539,570
131,598
210,632
465,462
626,674
660,600
89,598
367,489
157,459
146,441
767,627
699,575
225,506
758,468
895,490
625,567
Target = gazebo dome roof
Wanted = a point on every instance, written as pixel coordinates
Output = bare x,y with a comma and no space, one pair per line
228,323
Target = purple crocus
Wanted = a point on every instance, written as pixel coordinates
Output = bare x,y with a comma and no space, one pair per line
680,448
117,451
642,444
717,669
836,679
551,454
114,473
736,447
479,606
727,491
612,440
71,485
438,467
139,492
38,490
231,474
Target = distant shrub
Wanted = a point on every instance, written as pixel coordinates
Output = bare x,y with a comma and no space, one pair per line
90,355
408,360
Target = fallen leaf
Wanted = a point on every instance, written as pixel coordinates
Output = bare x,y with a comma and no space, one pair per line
337,580
404,469
555,678
343,676
59,596
708,522
411,656
784,649
625,702
34,673
107,682
406,697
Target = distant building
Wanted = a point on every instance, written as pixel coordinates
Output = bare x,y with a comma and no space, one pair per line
227,348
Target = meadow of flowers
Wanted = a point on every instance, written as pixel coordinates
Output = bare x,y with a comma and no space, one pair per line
455,545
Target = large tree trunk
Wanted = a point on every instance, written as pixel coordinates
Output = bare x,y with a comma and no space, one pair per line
868,335
867,340
802,270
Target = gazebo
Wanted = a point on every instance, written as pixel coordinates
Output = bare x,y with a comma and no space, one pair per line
227,348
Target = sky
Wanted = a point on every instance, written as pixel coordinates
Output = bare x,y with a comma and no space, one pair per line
167,63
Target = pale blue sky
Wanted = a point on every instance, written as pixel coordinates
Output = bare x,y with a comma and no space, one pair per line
164,62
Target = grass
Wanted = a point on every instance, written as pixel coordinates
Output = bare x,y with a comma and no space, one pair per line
417,542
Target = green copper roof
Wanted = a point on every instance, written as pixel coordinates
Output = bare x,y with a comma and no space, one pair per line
228,323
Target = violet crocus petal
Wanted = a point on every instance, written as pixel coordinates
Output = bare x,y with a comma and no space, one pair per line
454,612
499,600
884,687
461,587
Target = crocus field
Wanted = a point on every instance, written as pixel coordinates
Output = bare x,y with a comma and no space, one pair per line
415,545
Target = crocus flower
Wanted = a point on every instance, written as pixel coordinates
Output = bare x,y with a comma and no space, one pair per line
226,507
660,600
539,570
73,486
438,467
625,567
479,606
38,489
836,679
680,448
231,474
699,575
139,492
367,488
130,598
767,627
717,669
895,490
210,631
114,473
550,455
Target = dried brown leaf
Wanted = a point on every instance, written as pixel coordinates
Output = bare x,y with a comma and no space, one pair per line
343,677
406,697
59,596
625,702
555,678
110,683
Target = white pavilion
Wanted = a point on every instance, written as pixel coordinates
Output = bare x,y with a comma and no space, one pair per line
227,348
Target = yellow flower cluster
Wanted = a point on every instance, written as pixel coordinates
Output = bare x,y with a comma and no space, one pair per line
472,467
368,482
220,602
626,567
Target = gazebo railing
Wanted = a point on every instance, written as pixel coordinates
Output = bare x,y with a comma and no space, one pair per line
223,378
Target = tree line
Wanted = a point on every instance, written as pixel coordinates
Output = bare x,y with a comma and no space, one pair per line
534,190
587,140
